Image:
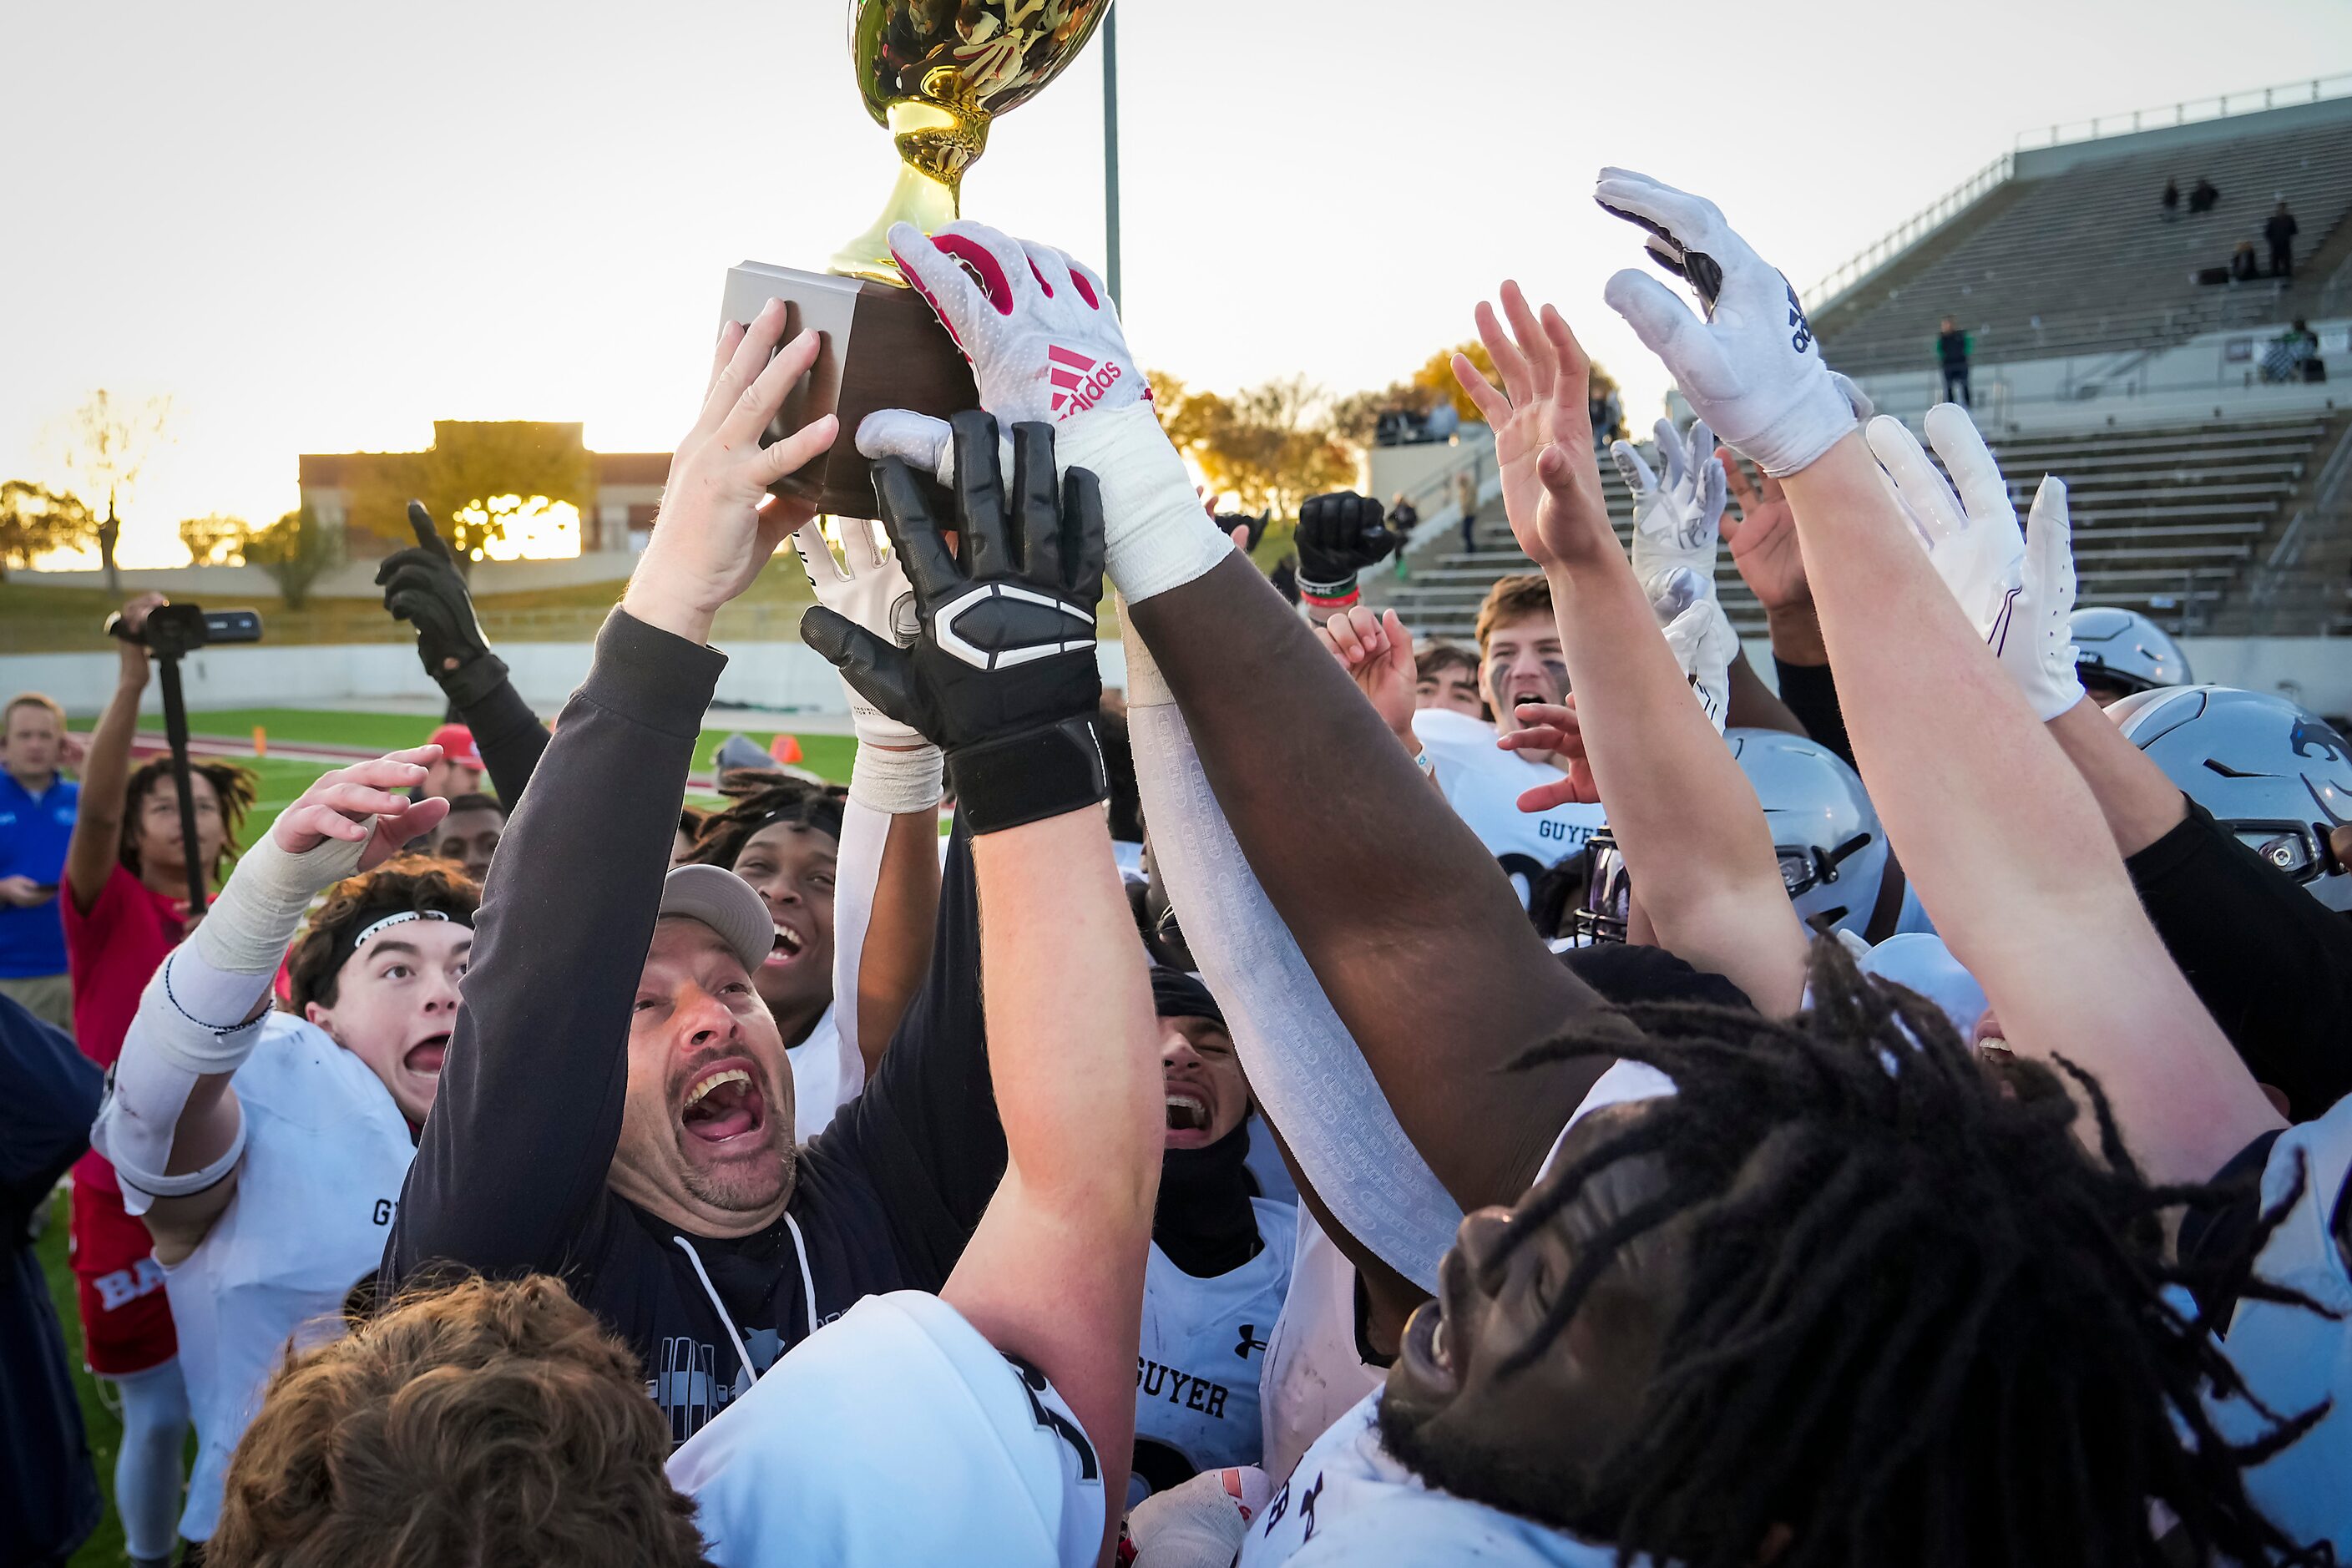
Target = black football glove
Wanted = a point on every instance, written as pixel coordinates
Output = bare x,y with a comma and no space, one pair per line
1339,536
1002,677
424,587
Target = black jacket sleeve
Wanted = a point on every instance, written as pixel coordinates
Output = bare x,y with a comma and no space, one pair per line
2272,963
1810,693
926,1131
49,1098
510,739
512,1162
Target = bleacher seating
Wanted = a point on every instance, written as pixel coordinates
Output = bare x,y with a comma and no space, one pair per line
2079,262
2166,520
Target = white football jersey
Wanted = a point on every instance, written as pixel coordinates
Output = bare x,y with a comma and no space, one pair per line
827,1074
326,1151
2293,1359
1483,783
1196,1373
1313,1373
1349,1504
896,1434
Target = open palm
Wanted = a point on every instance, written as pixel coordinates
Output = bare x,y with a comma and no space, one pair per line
1764,543
1541,406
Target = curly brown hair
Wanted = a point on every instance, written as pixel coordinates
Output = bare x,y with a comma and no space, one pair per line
237,787
776,798
488,1421
418,882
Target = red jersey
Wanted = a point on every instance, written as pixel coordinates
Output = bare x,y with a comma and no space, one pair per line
112,952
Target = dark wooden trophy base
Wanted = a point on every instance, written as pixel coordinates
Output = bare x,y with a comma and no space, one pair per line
883,347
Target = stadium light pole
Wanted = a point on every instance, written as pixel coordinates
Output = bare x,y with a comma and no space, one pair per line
1110,150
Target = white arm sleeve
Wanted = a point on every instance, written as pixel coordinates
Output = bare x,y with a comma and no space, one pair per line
864,832
1303,1066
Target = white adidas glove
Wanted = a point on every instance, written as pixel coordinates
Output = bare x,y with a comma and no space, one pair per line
1675,522
896,770
1044,343
1705,645
2017,590
1752,368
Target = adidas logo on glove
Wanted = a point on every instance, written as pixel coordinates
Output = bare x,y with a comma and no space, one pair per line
1079,383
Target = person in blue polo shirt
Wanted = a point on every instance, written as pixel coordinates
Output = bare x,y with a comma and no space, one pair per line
36,818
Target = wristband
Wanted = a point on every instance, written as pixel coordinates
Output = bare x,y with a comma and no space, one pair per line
1335,596
895,781
473,681
1031,776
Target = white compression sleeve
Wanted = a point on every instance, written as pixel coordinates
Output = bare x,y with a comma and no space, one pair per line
1155,535
1303,1066
248,928
864,834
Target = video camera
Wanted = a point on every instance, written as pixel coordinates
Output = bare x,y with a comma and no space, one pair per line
172,630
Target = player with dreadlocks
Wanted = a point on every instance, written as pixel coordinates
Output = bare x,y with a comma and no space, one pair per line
1846,1297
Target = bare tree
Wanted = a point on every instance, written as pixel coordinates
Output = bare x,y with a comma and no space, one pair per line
107,446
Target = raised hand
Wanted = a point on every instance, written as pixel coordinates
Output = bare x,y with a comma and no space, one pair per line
1675,519
1764,539
1543,430
1376,652
719,525
356,806
1339,535
866,585
1001,675
1752,368
424,587
2018,590
1546,727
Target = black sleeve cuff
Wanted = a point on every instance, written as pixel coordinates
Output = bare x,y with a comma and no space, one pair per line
651,677
1029,778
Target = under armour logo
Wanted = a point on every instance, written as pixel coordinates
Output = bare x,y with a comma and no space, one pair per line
1802,338
1079,383
1247,1341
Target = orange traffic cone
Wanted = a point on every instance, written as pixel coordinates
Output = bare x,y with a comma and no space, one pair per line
785,749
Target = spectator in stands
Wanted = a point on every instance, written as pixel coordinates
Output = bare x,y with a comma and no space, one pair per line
1403,518
1608,416
1465,495
2203,196
2243,267
2170,200
36,818
2280,231
2293,356
1952,347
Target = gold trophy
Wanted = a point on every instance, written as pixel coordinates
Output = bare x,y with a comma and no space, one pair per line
934,73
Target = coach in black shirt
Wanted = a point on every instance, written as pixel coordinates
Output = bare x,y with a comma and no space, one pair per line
562,1139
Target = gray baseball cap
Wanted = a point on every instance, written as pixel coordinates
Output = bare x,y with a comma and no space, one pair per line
726,903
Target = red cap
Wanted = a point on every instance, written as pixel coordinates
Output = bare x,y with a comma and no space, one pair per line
457,743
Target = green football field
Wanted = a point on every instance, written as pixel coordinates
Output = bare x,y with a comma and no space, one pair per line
282,780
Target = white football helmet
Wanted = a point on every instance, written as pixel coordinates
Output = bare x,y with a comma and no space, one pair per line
2277,778
2123,647
1832,848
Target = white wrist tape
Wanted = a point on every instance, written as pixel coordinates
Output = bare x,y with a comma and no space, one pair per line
248,928
166,1027
1146,687
1155,535
163,1055
894,781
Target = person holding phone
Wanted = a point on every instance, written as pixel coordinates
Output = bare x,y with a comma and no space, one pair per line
37,804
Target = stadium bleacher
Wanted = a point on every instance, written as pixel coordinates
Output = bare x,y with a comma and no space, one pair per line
2079,261
2168,520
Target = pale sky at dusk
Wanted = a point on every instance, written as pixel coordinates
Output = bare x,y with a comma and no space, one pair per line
320,228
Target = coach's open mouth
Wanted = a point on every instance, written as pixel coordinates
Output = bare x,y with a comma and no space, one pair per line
425,1055
724,1103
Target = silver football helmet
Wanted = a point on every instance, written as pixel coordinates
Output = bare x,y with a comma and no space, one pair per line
2277,778
2125,648
1832,848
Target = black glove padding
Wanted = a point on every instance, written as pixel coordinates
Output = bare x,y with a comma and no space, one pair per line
1003,677
1339,536
424,587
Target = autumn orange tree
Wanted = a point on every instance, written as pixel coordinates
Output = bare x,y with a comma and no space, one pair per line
1269,446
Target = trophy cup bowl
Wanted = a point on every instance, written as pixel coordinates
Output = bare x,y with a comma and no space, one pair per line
933,73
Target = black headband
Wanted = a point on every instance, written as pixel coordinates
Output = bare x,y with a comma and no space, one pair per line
1176,994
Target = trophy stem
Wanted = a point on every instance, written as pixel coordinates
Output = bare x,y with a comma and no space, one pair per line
924,200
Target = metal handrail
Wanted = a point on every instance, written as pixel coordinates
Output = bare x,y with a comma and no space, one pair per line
2195,110
2286,555
1858,267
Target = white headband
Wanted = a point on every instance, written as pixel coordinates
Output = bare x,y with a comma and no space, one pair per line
401,918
